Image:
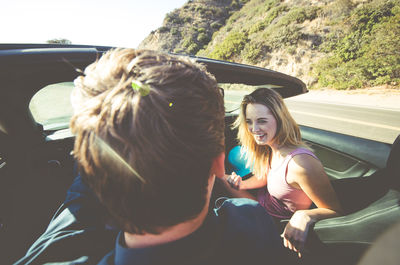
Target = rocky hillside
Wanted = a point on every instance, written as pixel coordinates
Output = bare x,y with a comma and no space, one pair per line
327,43
191,27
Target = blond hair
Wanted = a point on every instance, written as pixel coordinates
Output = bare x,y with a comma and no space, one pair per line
147,126
287,132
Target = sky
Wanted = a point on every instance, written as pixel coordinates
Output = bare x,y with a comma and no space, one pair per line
122,23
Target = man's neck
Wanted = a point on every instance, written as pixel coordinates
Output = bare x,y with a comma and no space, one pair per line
173,233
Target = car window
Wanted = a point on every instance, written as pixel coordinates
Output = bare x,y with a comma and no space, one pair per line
51,106
234,93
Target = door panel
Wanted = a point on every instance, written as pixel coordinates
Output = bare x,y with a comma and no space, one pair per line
371,152
33,185
338,165
345,156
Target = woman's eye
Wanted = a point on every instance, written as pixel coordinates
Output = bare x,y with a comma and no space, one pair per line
248,122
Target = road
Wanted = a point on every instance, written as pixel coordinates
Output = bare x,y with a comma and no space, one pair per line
371,123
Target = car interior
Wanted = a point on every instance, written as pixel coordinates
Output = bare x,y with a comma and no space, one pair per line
36,165
368,193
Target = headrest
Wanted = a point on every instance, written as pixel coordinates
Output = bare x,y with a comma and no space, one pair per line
394,156
393,163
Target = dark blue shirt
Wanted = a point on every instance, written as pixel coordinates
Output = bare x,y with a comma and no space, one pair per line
238,232
77,233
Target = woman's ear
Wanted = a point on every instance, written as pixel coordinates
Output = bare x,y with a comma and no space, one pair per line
218,165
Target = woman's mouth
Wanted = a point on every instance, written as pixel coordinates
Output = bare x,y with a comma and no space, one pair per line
259,137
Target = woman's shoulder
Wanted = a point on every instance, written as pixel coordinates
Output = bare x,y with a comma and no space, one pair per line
304,161
301,150
290,152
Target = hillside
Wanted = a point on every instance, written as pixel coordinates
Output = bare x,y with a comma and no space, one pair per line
190,28
340,44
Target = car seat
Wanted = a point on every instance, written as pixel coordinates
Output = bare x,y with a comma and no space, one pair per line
371,205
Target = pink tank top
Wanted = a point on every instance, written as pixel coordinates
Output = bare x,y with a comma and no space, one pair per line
279,198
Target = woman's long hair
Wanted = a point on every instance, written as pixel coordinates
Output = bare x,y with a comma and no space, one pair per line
287,131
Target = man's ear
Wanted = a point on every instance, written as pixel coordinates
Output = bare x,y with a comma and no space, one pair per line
218,165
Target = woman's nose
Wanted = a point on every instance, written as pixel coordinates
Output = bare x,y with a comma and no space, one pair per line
254,127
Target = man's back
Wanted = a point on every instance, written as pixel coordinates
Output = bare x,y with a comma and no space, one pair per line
235,231
238,232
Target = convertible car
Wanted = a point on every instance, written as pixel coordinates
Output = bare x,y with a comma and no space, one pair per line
36,166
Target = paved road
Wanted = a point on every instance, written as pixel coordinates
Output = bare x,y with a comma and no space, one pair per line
370,123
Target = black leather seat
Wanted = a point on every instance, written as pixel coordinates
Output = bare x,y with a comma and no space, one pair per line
371,205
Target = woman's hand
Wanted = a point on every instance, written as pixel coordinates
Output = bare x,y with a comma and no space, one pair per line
295,233
234,180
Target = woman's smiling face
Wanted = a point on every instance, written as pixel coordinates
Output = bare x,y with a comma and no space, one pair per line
261,123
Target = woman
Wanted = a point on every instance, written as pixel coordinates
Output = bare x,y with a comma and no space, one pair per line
289,175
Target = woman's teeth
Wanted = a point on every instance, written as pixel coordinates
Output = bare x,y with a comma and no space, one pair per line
259,136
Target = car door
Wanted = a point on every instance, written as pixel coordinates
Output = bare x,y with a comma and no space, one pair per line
36,165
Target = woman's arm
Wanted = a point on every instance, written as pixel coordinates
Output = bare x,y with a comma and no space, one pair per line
307,173
253,182
233,184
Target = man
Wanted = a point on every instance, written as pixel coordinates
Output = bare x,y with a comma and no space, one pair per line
149,143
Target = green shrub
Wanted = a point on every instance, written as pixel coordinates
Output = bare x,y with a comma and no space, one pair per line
279,37
299,15
231,46
192,30
178,50
252,52
200,9
338,8
59,41
202,53
209,13
174,18
215,25
381,55
291,50
193,48
331,72
203,38
187,42
272,13
270,4
367,54
163,29
232,19
362,21
257,27
235,4
175,31
221,13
